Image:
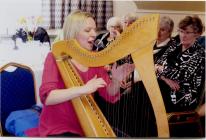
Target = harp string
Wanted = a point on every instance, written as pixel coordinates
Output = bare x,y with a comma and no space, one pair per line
131,109
132,127
125,106
135,106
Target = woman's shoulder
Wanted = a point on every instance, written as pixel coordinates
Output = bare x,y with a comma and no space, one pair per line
196,47
50,60
200,49
50,57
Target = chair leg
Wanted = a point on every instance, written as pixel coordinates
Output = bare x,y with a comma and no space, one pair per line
201,124
1,133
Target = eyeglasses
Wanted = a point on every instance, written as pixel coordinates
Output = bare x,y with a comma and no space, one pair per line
185,32
115,27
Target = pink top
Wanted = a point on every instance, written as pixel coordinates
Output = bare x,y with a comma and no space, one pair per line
61,118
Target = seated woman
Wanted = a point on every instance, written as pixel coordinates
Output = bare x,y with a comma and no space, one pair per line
164,37
180,75
128,19
58,117
180,69
114,28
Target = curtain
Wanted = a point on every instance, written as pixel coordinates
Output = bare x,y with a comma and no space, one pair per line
55,11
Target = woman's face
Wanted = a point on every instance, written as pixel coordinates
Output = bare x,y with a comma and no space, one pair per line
127,22
164,33
188,36
113,29
87,34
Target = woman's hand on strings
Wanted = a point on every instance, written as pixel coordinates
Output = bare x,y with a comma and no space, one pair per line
124,84
93,84
121,72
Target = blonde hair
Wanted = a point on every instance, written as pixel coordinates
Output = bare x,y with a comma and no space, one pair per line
74,22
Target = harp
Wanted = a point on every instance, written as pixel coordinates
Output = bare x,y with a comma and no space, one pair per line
137,40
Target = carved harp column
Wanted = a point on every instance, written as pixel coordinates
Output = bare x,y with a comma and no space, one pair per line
137,40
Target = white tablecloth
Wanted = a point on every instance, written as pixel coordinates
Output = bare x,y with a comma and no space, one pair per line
31,54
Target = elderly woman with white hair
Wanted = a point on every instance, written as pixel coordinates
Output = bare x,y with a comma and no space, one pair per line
128,19
164,36
114,28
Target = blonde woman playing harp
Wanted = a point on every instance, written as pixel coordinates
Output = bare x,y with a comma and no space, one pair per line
58,117
89,115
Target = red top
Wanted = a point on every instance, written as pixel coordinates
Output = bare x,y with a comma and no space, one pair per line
61,118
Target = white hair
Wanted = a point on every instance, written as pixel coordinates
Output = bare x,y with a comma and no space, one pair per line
114,21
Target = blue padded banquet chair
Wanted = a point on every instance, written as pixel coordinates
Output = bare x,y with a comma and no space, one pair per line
17,90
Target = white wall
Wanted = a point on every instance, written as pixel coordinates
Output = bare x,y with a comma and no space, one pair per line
12,10
124,7
175,15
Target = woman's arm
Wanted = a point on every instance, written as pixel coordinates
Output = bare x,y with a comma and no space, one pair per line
61,95
174,85
114,87
118,75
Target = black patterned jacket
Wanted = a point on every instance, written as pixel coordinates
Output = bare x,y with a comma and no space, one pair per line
188,68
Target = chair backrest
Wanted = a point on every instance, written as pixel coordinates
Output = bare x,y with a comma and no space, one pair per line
201,40
17,90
